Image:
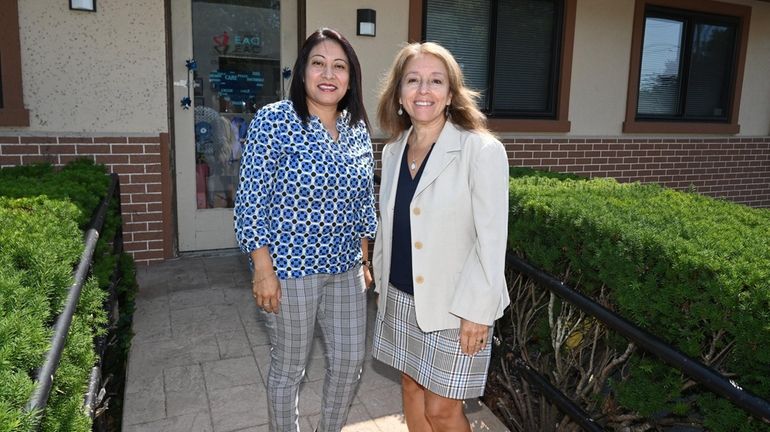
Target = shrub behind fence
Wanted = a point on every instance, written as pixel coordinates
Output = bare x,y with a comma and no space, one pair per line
693,270
42,216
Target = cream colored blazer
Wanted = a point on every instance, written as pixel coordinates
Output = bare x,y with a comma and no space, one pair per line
459,223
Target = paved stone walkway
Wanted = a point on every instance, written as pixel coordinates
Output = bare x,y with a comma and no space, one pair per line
200,354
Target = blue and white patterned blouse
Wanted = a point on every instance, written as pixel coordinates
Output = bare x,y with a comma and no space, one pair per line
309,199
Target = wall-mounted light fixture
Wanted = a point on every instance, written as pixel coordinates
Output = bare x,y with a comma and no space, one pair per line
366,20
83,5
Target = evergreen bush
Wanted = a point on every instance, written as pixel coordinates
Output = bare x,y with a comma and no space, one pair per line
693,270
43,213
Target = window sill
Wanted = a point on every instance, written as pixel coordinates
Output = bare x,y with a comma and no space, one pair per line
520,125
14,117
680,127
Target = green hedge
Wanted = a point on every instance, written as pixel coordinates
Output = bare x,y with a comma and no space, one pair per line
43,213
683,266
80,182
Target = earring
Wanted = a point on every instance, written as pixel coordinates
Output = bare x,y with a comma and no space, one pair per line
446,112
400,110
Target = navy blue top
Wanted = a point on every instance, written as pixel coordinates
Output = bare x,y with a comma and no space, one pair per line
401,275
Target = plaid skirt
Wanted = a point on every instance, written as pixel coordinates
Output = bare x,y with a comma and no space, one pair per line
434,360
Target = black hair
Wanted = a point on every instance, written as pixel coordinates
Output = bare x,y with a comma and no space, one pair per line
353,100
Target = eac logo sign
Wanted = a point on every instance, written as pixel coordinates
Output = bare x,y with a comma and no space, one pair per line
244,44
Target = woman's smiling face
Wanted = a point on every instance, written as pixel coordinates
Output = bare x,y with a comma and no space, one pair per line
424,89
327,74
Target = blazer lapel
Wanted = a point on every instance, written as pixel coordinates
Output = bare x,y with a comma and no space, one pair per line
444,152
391,162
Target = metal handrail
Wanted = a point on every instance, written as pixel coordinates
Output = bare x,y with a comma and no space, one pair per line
93,398
565,404
94,395
699,372
39,398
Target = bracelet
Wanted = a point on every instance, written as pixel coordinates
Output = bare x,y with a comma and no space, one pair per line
366,263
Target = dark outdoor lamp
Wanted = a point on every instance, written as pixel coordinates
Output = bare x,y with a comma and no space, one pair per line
83,5
366,20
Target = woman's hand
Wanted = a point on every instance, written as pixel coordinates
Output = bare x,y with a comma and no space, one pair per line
473,337
267,292
368,279
264,283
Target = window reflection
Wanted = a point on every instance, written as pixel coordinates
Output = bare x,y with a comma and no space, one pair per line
236,44
661,56
687,66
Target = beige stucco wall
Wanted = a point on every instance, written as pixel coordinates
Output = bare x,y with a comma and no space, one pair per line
755,100
375,53
601,64
102,72
106,71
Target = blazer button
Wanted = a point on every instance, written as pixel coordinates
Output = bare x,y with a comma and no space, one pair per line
419,279
416,211
418,245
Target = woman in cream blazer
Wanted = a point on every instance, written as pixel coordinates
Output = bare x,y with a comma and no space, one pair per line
459,224
439,256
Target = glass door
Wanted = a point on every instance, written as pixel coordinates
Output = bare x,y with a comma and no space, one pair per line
233,68
237,50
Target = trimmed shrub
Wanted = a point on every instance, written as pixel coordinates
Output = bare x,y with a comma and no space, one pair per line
80,182
693,270
531,172
43,213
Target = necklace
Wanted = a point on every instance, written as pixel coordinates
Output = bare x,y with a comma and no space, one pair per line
413,164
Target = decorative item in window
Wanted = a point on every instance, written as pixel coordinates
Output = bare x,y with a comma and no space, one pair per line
236,90
191,65
285,74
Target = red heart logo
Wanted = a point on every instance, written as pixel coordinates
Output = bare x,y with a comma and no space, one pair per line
222,40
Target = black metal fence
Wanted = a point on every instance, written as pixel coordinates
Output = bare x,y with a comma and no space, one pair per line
709,378
39,398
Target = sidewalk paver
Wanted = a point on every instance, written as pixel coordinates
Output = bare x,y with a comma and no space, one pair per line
199,359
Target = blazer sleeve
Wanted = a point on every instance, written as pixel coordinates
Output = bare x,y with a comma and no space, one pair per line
379,239
377,263
482,294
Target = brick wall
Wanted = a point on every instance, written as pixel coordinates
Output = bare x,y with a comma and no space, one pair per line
737,169
139,163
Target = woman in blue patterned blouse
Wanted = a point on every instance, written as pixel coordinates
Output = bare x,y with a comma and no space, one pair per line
304,212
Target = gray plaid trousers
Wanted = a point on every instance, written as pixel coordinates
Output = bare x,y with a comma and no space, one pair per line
338,303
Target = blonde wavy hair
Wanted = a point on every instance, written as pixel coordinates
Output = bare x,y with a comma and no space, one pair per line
463,110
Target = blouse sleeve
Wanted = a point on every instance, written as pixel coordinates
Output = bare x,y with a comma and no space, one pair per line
255,189
369,221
